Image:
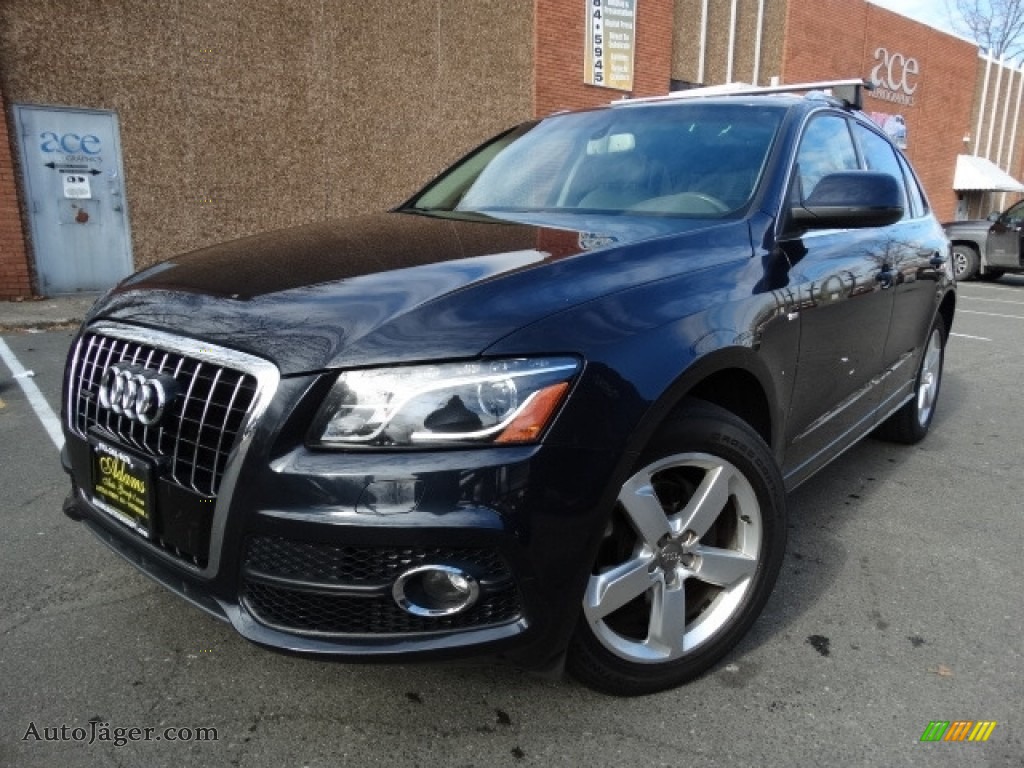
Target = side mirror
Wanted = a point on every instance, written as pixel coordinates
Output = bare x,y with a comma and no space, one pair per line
850,199
994,216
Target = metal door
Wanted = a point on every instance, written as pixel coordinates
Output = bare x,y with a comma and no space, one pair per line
1005,243
71,166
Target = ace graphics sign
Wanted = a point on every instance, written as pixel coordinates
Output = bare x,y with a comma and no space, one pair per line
895,77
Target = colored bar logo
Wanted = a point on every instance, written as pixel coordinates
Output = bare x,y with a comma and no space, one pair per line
958,730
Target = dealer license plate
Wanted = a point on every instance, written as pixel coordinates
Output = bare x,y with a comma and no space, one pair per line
122,486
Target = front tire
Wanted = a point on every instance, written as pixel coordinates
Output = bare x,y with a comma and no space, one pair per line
965,263
911,422
688,559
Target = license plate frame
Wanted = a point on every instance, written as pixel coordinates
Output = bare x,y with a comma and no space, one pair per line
122,485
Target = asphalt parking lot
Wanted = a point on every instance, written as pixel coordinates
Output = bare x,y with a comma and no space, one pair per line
899,604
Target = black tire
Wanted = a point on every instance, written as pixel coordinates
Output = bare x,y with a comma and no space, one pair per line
991,275
965,263
910,423
677,584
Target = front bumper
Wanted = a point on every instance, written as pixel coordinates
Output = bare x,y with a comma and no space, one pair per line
305,546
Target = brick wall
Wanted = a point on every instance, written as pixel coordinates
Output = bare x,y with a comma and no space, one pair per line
15,277
811,22
940,115
559,41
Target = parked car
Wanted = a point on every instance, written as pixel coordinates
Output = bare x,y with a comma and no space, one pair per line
988,248
547,410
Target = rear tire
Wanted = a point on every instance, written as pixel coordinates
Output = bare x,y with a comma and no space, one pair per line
688,559
910,423
965,263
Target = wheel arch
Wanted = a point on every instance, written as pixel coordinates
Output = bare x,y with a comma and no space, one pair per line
736,379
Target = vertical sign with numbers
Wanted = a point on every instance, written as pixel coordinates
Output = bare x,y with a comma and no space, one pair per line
611,42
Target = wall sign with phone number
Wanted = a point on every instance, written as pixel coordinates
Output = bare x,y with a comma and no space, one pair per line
611,43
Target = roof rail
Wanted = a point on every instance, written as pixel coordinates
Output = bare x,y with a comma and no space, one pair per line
849,91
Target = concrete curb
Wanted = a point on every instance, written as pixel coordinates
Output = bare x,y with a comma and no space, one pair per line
47,313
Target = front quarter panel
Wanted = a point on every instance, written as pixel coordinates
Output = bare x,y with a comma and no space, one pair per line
973,233
646,348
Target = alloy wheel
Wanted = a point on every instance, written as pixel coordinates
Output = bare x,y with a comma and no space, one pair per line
931,374
680,556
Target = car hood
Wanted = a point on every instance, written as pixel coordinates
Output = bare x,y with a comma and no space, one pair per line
400,286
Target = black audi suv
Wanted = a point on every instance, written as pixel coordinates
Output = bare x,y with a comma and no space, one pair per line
548,410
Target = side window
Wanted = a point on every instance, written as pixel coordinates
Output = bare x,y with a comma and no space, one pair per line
826,147
1014,216
918,202
879,155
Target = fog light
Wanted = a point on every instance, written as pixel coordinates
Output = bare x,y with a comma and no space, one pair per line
435,590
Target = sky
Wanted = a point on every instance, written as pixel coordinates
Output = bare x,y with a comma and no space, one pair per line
931,12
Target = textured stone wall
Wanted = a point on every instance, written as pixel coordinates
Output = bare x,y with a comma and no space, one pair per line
773,40
240,117
686,40
687,32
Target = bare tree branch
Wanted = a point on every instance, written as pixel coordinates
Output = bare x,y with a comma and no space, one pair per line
997,26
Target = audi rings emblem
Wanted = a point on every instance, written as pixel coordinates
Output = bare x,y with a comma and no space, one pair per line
136,393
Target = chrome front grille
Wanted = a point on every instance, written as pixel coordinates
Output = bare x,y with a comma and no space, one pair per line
198,429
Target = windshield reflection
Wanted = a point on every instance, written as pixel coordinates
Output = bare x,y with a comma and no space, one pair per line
690,160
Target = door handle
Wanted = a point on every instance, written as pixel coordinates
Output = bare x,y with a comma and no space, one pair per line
937,260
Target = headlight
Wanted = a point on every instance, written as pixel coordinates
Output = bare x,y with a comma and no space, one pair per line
484,401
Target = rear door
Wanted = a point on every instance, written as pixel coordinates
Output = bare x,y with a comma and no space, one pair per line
916,253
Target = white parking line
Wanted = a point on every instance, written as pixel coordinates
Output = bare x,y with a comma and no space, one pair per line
988,314
992,301
983,286
35,398
965,336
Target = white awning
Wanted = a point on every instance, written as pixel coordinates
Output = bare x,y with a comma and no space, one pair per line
977,173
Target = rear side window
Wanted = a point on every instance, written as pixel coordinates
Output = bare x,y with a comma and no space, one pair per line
918,202
879,155
826,147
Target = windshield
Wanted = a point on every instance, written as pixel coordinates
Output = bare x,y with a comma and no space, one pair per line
696,160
